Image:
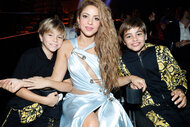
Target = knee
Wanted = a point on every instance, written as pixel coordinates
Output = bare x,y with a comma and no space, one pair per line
91,122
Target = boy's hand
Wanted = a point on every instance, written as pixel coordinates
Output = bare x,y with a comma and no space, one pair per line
52,99
12,85
179,98
137,83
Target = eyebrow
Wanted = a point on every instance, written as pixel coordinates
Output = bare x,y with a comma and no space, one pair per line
125,33
89,14
141,31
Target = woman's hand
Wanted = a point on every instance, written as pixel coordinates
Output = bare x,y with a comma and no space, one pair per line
137,83
36,83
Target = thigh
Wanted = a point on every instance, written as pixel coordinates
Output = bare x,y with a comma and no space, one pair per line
91,120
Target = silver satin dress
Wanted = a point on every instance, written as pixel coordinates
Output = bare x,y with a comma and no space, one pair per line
77,107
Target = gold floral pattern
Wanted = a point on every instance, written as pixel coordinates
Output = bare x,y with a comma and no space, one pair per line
30,113
170,72
157,119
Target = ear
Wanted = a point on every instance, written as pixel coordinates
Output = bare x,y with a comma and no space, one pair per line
121,40
78,19
41,37
145,37
124,43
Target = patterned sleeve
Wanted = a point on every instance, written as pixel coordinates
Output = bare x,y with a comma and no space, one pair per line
170,71
122,70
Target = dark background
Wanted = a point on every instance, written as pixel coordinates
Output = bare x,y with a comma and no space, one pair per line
19,17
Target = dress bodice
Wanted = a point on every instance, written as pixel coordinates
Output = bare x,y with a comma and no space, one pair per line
77,107
80,77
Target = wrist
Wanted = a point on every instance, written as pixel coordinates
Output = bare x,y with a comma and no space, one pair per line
49,83
22,83
130,78
43,100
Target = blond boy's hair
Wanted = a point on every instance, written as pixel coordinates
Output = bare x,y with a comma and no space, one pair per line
50,24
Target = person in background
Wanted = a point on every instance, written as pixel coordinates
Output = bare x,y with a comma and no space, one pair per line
150,21
158,32
179,32
164,101
36,108
178,39
70,29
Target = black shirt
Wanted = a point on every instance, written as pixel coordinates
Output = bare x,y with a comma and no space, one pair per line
32,63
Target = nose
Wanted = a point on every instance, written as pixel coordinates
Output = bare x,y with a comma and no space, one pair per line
55,39
135,38
90,21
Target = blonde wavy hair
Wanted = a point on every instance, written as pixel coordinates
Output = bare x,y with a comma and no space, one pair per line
107,45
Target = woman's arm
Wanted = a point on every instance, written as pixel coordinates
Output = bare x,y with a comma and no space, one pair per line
56,80
40,82
136,82
58,75
60,67
50,100
125,77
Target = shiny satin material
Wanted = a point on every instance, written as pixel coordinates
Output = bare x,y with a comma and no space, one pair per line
77,107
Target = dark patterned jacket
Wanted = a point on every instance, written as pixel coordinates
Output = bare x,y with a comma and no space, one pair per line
162,75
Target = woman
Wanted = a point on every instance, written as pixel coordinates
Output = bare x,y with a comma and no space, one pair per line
92,60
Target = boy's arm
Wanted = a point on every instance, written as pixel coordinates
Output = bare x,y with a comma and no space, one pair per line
23,70
49,100
176,80
178,76
15,85
9,86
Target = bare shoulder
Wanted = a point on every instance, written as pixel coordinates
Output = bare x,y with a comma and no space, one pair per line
66,47
67,44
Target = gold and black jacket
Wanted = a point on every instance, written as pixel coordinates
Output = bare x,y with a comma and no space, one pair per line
162,75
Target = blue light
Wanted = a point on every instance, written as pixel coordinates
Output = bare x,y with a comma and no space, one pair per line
107,2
